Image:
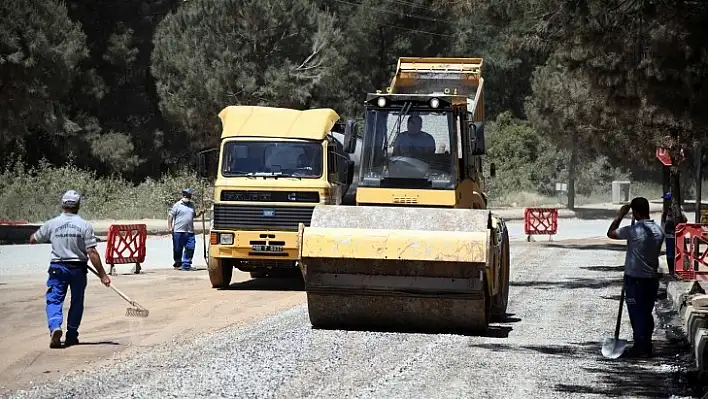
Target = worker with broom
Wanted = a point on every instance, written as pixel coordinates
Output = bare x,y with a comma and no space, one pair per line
73,244
641,275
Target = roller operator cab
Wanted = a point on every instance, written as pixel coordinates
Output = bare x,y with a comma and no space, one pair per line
274,166
419,250
421,150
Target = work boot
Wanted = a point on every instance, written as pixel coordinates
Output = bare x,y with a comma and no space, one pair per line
55,340
639,352
71,341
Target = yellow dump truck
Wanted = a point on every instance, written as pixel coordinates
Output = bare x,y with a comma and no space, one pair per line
419,250
274,166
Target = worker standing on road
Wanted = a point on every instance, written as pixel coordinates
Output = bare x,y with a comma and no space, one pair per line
73,244
180,222
670,222
641,274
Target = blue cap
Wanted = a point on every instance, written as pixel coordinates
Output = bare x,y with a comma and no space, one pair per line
667,196
71,198
187,191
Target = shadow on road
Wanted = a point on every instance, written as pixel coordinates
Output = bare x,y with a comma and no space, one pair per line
649,378
604,268
497,329
588,247
591,283
269,284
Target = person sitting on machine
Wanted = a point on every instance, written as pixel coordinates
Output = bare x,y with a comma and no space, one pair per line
414,142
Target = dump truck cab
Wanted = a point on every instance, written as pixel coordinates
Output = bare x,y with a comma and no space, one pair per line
275,165
419,250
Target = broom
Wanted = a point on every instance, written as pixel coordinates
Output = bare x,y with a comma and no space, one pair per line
136,311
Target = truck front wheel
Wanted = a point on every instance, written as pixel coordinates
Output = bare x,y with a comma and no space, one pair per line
219,272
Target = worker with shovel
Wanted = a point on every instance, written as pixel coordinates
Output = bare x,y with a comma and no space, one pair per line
180,222
641,276
73,244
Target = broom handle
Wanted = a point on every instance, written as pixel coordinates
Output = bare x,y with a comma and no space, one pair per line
119,292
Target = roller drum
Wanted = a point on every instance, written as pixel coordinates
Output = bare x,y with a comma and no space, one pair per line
395,267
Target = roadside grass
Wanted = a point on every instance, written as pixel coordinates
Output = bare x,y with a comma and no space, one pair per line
34,194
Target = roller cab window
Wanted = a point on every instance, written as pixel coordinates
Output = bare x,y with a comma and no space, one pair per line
408,148
270,158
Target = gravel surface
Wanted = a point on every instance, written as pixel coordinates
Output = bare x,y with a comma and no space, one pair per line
563,301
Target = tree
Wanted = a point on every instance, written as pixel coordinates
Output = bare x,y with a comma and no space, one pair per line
499,31
647,60
212,54
40,53
563,109
118,103
376,34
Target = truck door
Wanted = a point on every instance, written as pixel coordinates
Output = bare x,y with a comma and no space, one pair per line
335,169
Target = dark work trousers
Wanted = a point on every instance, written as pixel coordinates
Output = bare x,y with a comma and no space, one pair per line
671,253
640,295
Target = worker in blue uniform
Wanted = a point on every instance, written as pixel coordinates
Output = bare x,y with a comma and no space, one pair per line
180,222
73,244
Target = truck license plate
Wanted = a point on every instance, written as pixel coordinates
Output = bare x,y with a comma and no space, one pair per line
267,248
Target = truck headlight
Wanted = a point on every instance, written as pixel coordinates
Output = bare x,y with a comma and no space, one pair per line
226,239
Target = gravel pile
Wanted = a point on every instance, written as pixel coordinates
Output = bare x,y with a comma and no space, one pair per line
563,302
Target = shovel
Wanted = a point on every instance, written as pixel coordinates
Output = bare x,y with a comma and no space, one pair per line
612,348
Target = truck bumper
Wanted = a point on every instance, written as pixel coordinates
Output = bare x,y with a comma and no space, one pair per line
256,245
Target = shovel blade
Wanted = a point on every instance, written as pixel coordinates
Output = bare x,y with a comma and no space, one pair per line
613,348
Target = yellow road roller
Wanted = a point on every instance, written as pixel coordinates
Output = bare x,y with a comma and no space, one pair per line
420,250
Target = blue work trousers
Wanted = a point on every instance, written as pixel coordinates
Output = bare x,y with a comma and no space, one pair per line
640,295
183,249
61,278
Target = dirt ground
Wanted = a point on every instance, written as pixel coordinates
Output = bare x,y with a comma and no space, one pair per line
181,304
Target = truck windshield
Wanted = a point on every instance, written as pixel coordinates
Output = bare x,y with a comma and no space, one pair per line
408,148
271,158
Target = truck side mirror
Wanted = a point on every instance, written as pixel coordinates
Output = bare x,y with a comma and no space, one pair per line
493,170
207,162
350,135
350,172
477,138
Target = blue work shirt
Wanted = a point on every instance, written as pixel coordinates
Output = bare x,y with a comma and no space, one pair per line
70,236
183,214
644,240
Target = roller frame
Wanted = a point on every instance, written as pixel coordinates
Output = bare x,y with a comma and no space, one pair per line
466,303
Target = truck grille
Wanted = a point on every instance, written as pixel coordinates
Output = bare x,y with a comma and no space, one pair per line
229,216
270,196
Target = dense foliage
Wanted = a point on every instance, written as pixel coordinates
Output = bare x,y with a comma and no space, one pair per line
131,89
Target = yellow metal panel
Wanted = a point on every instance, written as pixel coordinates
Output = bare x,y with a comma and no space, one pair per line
272,122
241,248
473,65
372,195
441,246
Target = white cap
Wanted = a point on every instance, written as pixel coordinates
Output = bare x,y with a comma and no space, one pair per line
71,198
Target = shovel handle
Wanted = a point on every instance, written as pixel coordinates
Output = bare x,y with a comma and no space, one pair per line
619,313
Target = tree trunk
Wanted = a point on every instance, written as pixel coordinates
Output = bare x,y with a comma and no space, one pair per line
676,199
571,171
